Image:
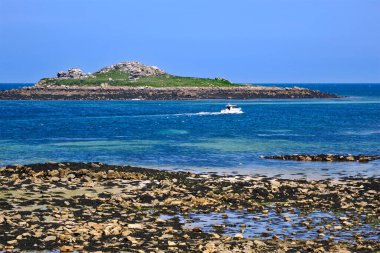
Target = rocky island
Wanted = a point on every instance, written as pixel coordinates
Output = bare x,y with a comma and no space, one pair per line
133,80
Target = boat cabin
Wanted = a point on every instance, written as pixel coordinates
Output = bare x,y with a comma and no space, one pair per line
229,106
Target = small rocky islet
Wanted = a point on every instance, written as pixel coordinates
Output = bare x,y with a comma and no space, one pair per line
136,81
97,207
325,158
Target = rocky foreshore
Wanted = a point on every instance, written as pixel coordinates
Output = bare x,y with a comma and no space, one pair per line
325,157
151,93
96,207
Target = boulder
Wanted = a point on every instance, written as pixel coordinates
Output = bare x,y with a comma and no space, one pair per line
134,68
221,79
73,73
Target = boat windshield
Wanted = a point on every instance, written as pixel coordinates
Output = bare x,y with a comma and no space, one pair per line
231,106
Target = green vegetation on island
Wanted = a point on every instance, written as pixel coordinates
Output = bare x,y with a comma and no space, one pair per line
118,78
130,74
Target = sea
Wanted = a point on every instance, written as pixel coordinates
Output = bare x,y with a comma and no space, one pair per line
195,136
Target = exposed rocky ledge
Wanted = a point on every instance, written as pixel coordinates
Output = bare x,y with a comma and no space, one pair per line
150,93
325,157
93,207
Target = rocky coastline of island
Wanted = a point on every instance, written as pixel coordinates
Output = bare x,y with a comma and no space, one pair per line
160,93
95,207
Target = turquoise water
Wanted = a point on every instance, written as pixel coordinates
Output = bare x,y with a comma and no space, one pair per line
192,135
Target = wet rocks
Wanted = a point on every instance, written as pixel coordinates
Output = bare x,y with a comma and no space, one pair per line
66,248
325,158
50,238
96,207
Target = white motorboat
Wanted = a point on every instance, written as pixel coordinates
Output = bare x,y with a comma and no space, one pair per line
231,109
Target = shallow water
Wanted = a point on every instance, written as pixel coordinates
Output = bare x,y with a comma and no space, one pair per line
267,225
193,135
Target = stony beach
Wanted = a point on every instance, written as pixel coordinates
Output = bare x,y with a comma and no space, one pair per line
96,207
158,93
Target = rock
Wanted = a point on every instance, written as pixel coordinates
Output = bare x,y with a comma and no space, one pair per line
197,229
221,79
37,234
70,176
96,233
54,179
239,236
347,224
158,220
12,242
274,183
73,73
66,248
96,226
320,250
126,233
50,238
135,226
132,240
216,236
170,243
135,69
259,243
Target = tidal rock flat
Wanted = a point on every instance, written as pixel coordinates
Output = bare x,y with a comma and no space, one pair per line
97,207
158,93
325,158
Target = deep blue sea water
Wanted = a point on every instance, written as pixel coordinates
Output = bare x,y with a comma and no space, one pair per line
191,135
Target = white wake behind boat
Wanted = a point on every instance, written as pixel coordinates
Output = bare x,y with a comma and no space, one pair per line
231,109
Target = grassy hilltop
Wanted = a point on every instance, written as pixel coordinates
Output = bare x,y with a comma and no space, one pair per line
130,74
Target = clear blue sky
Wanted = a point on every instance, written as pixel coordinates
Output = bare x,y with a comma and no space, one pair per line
242,40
